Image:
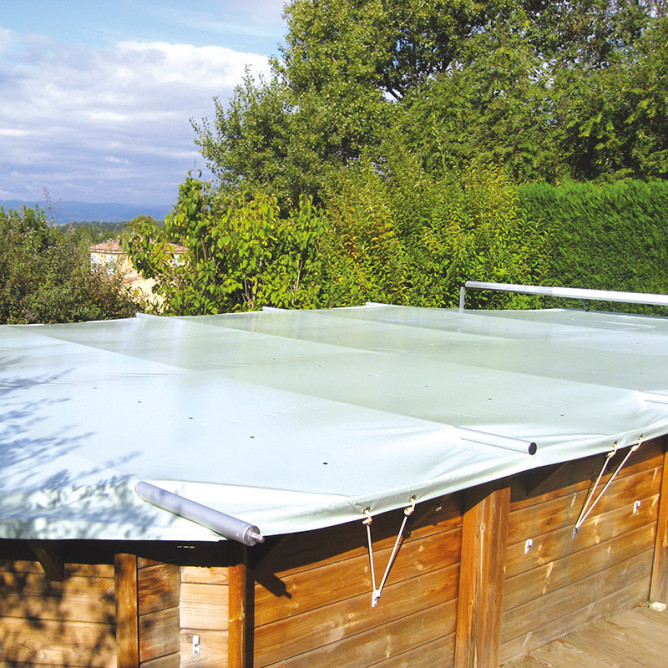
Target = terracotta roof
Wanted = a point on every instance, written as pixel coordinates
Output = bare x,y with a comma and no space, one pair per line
115,247
106,247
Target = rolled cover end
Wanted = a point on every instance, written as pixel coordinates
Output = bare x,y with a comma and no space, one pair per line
220,523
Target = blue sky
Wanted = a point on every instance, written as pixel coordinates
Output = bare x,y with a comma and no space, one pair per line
96,96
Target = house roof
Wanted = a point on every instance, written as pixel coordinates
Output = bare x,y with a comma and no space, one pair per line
295,420
114,247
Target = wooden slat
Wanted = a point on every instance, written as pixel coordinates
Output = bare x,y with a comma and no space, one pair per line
479,612
524,620
606,641
532,521
525,662
158,587
313,549
171,661
560,543
577,475
625,597
203,575
159,634
533,584
204,606
127,628
645,641
213,649
29,642
305,590
659,586
560,653
85,570
31,595
237,602
401,640
439,652
305,632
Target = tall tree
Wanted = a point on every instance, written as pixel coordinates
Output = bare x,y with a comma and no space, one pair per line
506,80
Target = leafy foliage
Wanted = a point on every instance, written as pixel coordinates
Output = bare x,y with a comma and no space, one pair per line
241,254
45,275
606,236
395,235
549,90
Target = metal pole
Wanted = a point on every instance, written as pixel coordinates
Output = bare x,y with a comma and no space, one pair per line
225,525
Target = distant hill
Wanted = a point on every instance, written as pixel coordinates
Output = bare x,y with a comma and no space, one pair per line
86,212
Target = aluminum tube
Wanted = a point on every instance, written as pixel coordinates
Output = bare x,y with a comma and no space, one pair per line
574,293
654,397
225,525
506,442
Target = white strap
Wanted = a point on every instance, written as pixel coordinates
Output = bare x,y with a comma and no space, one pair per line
587,508
408,511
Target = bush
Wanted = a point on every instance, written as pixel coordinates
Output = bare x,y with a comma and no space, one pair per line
610,236
45,275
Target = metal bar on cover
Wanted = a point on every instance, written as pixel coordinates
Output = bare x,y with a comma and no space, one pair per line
568,293
496,440
225,525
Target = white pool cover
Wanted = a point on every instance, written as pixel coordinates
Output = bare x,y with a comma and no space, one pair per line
294,420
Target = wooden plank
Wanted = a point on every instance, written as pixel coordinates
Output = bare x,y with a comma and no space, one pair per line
524,619
49,553
213,649
480,608
171,661
237,604
648,645
313,549
560,543
532,521
29,642
598,638
127,627
31,595
205,575
86,570
158,587
553,575
622,598
204,606
302,633
527,662
561,653
401,640
659,587
159,634
659,618
300,591
440,652
579,474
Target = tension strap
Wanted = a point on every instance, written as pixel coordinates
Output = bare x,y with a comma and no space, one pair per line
589,504
408,511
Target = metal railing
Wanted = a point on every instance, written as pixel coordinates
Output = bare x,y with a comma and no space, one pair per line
568,293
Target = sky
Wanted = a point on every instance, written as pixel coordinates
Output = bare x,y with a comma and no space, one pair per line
97,96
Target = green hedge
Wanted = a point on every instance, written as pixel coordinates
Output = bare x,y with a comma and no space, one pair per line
610,236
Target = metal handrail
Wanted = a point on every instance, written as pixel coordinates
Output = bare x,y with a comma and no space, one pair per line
569,293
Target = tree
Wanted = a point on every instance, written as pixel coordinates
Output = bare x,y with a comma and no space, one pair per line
241,254
45,275
507,80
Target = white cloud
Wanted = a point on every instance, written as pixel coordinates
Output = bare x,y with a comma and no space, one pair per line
107,125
